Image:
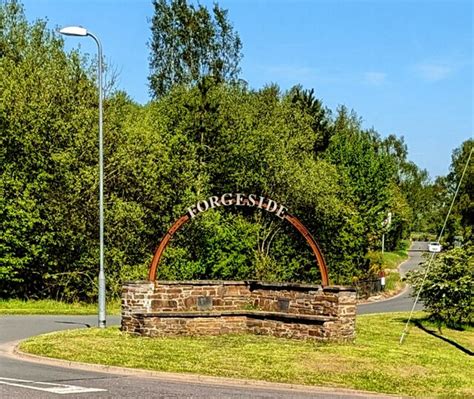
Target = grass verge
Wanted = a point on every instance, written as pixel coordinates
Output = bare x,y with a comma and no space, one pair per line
393,283
391,260
48,306
424,365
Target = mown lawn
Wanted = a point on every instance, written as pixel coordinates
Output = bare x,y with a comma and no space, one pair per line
424,366
47,306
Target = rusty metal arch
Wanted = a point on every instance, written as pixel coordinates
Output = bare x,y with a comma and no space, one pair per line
293,220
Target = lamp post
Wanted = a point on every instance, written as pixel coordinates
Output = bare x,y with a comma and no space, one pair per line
80,31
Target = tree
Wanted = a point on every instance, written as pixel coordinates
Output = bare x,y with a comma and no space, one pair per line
368,168
414,200
464,207
189,43
440,195
48,157
321,122
44,95
223,138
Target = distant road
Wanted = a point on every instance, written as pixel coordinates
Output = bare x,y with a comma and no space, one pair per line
403,302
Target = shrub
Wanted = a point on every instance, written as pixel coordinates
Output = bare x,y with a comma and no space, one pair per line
376,262
448,289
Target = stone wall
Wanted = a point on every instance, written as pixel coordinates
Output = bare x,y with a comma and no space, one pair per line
300,311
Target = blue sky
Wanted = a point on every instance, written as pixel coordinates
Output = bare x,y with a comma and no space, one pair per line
405,66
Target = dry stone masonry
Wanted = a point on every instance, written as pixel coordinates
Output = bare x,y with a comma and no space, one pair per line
300,311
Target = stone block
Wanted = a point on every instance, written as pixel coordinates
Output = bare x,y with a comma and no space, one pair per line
190,302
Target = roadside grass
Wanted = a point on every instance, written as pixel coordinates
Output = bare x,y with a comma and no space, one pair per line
389,263
393,283
391,260
49,306
424,366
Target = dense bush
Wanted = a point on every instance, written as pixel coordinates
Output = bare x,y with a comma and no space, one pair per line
448,291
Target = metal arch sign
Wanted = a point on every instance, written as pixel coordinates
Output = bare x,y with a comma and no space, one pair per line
239,199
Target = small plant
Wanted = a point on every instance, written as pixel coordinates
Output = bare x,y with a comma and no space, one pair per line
251,306
392,281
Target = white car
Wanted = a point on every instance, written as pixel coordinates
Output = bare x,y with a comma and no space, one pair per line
434,247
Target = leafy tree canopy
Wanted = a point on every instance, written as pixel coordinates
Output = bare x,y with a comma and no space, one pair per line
189,43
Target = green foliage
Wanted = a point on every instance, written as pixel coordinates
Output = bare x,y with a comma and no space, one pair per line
439,195
416,188
368,169
320,117
447,293
392,260
202,136
462,220
46,151
420,236
213,139
393,282
188,43
379,179
376,262
263,143
215,246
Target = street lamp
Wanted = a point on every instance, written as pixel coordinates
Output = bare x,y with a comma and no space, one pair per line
80,31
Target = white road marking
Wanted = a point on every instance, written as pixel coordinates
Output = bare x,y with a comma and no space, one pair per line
60,389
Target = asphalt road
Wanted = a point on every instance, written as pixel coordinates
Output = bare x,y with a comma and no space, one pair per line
20,378
404,301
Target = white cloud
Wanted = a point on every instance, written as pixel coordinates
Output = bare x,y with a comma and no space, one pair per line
433,72
375,78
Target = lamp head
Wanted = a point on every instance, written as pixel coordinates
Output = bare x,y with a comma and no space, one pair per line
73,31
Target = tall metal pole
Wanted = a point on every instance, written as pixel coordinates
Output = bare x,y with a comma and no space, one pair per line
102,321
81,32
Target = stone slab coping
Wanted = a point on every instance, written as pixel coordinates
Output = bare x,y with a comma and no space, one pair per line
247,313
251,283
